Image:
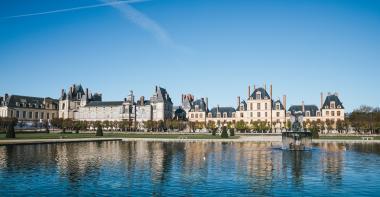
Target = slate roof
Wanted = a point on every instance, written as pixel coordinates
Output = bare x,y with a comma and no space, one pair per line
222,110
13,99
263,92
146,102
201,104
162,95
242,103
330,98
275,103
104,103
298,108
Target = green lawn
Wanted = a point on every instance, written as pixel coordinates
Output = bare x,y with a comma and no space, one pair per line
111,135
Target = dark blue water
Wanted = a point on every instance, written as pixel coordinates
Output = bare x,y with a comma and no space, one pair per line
189,169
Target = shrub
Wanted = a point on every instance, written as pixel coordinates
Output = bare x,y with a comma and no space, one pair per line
224,132
99,130
213,132
11,129
232,132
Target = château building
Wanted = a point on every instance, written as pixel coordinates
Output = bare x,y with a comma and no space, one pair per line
78,104
28,109
260,106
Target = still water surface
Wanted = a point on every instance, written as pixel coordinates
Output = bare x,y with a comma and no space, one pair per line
194,168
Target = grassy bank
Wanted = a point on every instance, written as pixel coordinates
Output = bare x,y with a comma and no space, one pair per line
111,135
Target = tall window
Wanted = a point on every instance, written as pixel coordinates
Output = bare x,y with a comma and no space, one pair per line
30,115
266,114
332,113
241,115
63,106
266,106
17,114
327,113
250,106
258,106
47,115
278,114
277,106
36,115
42,115
338,113
24,114
258,114
251,114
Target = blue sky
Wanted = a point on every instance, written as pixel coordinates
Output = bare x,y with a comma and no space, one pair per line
204,47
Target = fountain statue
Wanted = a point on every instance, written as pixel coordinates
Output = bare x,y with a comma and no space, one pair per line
298,138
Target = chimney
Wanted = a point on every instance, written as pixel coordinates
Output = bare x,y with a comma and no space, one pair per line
238,102
62,92
254,87
217,109
321,100
182,98
271,91
6,96
71,89
303,106
156,89
249,91
284,101
142,100
206,103
125,99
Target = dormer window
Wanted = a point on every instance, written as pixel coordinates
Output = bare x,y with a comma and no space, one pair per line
318,113
233,114
307,114
277,106
241,108
224,115
218,115
196,108
17,104
332,105
258,95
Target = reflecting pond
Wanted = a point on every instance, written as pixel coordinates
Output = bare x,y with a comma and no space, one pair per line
192,168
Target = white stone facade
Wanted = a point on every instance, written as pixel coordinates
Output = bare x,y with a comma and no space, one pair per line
81,105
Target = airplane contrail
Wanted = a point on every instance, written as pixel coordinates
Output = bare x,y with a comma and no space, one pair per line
76,8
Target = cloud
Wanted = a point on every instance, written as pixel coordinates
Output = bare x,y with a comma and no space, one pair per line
147,24
107,3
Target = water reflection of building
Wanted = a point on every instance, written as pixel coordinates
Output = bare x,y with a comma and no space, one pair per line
332,159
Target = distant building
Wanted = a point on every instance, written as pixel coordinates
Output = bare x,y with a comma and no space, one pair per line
28,109
82,105
260,106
